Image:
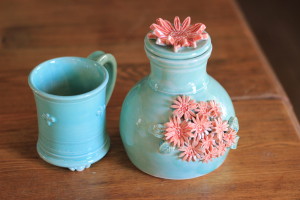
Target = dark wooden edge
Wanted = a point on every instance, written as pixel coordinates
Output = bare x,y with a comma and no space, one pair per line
267,67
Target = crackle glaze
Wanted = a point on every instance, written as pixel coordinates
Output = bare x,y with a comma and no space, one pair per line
147,107
71,94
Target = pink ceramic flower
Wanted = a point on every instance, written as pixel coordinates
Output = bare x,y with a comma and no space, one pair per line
219,127
200,126
221,148
184,106
179,35
214,109
214,151
177,131
190,151
207,142
207,156
229,137
202,108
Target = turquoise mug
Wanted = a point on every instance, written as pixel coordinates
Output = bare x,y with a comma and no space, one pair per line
71,94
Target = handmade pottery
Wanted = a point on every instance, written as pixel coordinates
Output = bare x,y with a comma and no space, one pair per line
71,94
176,73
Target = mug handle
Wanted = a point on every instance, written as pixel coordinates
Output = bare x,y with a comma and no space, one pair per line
109,62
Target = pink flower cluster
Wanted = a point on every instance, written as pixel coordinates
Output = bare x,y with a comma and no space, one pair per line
197,130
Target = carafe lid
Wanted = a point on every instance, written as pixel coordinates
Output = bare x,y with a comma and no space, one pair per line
183,53
177,40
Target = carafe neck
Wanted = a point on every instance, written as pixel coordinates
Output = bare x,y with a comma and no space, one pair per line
178,76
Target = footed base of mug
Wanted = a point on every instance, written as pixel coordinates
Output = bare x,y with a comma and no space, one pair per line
74,163
187,170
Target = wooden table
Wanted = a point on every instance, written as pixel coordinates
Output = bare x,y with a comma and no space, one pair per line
266,164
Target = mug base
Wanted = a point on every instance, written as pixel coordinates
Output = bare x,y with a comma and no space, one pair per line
74,164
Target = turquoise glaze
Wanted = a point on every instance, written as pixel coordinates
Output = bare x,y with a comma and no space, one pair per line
147,107
71,94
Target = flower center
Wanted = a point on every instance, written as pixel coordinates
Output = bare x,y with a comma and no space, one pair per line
185,107
200,128
190,150
178,131
178,34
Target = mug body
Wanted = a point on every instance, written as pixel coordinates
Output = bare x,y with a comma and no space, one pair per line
70,95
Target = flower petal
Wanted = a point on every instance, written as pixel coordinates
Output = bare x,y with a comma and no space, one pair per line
186,23
177,24
175,106
197,28
159,33
204,36
151,36
159,41
164,23
156,27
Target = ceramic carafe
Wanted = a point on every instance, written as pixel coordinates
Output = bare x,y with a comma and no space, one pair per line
148,107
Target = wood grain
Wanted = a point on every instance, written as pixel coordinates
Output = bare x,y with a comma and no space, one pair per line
266,164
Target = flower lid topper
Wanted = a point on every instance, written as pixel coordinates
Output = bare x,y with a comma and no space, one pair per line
177,35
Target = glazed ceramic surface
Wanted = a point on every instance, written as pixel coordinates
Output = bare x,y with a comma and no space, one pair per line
71,94
147,107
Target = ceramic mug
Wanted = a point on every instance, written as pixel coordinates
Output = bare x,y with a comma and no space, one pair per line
71,94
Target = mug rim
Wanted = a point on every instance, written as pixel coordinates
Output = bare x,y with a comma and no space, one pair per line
77,97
